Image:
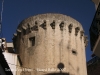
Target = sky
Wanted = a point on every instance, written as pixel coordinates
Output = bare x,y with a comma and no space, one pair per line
17,10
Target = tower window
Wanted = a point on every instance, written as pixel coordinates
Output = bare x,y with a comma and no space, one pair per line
31,41
74,52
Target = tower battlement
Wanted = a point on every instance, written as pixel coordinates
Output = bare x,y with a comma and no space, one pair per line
53,21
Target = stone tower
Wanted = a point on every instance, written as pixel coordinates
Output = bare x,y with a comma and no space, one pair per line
51,44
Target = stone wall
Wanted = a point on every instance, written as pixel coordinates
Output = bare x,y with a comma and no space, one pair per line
51,41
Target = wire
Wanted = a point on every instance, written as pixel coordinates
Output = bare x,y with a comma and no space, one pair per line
2,10
1,19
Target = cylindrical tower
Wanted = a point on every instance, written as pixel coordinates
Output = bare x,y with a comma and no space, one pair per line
51,44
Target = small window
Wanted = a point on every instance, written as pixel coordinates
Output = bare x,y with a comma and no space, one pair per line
74,52
31,41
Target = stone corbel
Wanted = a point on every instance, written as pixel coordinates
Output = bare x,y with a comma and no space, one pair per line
82,33
70,27
77,30
18,30
24,27
29,28
15,34
53,25
44,25
86,43
86,40
61,25
35,27
28,25
24,30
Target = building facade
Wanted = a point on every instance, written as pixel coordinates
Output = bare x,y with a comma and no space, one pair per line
93,66
11,59
13,62
4,65
95,31
51,44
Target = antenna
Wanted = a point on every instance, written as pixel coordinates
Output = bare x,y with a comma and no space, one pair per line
1,18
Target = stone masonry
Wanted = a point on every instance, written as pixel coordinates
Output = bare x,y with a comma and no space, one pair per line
51,44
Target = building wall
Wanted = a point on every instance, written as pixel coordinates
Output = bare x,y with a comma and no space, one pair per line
95,31
93,67
13,62
2,72
61,46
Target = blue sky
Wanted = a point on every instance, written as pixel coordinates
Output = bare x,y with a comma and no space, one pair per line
17,10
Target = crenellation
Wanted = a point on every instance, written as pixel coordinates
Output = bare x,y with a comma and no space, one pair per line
36,25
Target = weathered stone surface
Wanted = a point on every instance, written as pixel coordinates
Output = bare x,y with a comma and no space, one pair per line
52,46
